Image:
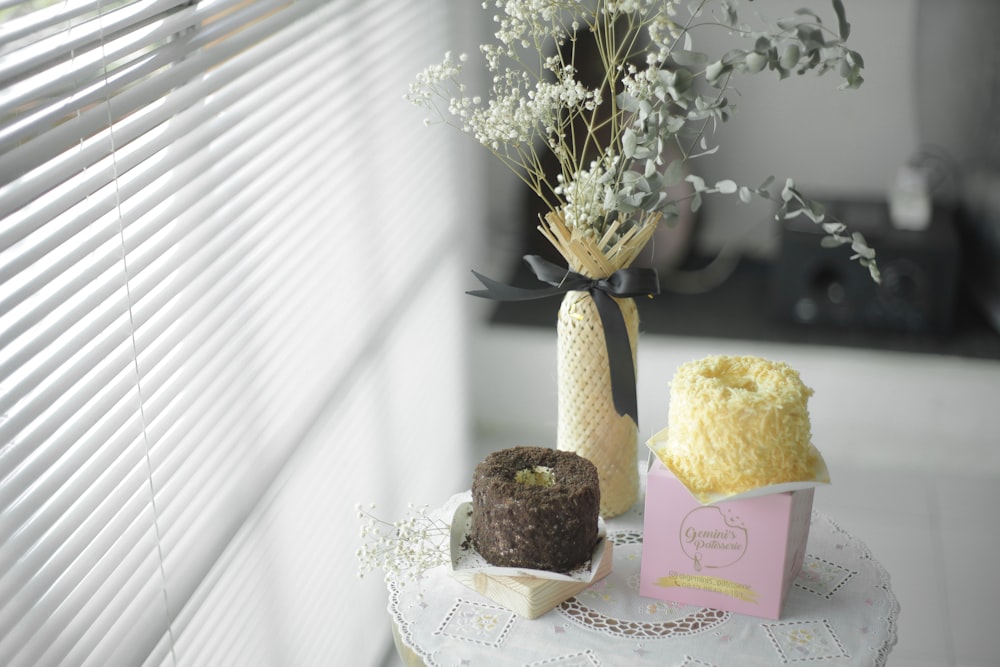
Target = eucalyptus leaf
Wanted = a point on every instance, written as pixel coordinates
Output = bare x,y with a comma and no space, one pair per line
695,202
689,58
674,173
872,270
711,151
650,201
633,180
734,56
790,56
832,241
843,27
645,152
609,199
788,192
811,37
860,246
755,62
675,124
714,70
726,186
697,181
627,103
732,18
629,142
678,82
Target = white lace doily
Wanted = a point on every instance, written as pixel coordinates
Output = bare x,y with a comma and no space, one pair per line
841,611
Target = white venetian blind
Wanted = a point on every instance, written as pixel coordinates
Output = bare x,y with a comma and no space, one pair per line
227,268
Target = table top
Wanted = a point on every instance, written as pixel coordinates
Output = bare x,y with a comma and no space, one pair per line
840,611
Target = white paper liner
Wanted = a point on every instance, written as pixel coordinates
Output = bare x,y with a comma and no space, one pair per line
659,446
466,560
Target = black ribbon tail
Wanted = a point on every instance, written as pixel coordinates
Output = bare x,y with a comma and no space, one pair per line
503,292
620,364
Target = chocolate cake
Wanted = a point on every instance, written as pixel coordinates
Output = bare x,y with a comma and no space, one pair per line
535,508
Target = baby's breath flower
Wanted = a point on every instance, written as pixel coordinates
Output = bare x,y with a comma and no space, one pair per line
433,81
585,194
403,549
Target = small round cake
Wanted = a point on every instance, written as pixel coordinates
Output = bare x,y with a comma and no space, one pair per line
738,423
535,508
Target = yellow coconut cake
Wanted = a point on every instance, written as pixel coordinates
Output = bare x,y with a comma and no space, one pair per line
738,423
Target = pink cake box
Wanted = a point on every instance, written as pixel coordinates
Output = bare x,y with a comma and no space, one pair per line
740,555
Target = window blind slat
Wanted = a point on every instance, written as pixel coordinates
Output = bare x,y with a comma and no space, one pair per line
121,106
48,407
46,497
64,601
46,115
48,598
117,574
97,71
38,262
79,306
126,19
42,21
24,460
139,622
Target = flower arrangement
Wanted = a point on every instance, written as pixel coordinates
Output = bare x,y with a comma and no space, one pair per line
621,142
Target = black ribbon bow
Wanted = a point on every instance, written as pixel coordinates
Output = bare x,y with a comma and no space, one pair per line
623,283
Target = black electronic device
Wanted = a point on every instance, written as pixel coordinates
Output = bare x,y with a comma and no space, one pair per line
814,285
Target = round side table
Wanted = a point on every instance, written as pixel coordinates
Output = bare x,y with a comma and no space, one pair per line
841,611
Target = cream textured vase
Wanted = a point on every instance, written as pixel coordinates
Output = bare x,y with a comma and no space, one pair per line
588,422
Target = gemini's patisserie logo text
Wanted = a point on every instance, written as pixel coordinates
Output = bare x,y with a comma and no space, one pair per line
709,539
705,583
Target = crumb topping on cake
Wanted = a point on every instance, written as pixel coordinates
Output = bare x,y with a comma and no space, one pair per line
535,507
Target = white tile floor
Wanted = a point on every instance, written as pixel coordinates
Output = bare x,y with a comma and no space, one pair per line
937,535
911,442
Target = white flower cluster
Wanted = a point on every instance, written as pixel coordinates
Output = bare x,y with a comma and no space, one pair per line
525,22
633,6
663,33
584,194
403,549
522,110
437,81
